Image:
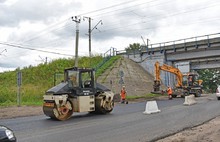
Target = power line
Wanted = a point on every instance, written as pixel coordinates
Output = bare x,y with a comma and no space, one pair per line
153,27
53,25
128,12
171,15
42,32
109,7
27,48
141,4
99,10
46,30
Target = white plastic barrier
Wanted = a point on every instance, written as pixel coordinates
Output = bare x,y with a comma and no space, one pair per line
151,107
190,100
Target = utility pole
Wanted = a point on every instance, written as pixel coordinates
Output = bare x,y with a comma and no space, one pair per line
46,60
145,43
148,42
90,33
90,54
77,20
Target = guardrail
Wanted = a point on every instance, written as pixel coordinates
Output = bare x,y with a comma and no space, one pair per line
173,43
161,46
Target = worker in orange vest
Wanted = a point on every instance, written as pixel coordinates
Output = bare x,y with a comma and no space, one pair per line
123,95
169,92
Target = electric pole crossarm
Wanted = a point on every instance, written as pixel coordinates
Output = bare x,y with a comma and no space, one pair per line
96,25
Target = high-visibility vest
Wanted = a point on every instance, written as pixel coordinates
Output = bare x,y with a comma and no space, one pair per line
123,94
169,91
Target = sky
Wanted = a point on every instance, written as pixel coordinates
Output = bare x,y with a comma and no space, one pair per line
32,31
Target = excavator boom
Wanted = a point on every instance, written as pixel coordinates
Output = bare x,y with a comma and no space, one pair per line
170,69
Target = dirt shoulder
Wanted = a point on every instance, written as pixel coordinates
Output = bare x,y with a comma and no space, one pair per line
13,112
208,132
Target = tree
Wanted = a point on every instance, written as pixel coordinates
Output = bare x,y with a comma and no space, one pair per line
211,78
133,47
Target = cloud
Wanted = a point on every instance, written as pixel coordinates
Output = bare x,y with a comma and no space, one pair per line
44,24
32,10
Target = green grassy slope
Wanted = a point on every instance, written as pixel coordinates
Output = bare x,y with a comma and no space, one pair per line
36,80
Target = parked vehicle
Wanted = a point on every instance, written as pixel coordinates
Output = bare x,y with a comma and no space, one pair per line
6,135
218,92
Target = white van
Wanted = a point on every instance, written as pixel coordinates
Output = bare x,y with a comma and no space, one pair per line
218,92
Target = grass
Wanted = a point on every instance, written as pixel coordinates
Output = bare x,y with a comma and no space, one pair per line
36,80
107,65
147,96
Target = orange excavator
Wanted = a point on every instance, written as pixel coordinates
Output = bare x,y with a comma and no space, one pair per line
186,83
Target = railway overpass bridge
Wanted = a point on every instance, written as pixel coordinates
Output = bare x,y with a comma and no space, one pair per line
188,54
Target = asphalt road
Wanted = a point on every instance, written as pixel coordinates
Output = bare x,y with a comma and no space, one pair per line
126,123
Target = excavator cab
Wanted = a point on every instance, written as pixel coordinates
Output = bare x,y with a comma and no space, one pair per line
191,79
192,84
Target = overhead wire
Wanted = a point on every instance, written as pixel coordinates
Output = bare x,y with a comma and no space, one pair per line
95,11
171,15
28,48
120,9
65,26
50,29
109,7
46,30
102,9
61,22
112,13
125,8
182,24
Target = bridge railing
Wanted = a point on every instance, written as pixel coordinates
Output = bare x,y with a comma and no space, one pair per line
173,43
106,56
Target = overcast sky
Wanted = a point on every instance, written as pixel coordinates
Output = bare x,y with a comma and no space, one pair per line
46,25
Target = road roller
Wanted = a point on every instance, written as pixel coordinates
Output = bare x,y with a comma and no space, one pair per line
78,92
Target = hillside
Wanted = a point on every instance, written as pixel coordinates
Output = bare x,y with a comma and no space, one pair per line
36,80
137,81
